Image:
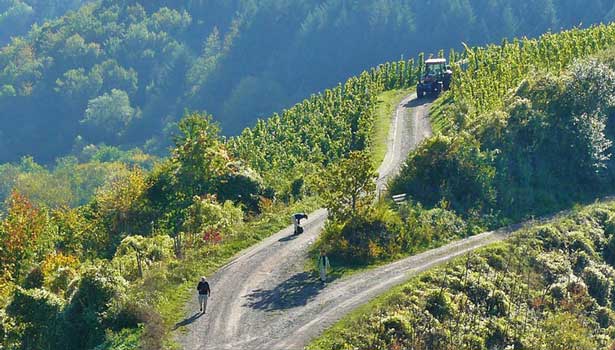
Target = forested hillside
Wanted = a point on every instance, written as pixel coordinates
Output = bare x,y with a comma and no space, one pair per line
122,72
17,16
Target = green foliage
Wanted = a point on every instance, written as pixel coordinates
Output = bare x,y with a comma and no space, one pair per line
24,236
137,253
449,169
348,187
85,313
110,113
38,316
206,215
439,305
544,145
521,293
167,56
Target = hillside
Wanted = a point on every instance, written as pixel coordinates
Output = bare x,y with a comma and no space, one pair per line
17,16
122,72
526,130
109,241
548,287
119,268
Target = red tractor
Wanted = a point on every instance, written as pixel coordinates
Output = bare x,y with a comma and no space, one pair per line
435,79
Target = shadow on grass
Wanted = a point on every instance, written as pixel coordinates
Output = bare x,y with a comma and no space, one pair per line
188,320
294,292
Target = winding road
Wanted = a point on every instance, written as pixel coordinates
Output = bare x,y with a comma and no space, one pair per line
264,299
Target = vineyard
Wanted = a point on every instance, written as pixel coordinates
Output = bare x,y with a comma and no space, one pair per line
485,75
324,128
548,287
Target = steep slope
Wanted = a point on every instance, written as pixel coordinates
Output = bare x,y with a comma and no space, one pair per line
549,286
238,59
261,296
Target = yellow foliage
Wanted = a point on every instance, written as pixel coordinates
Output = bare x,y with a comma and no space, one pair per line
53,262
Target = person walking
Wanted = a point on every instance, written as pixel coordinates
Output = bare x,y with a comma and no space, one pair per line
323,265
204,293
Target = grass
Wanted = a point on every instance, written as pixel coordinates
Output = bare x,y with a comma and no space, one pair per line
387,103
437,114
127,339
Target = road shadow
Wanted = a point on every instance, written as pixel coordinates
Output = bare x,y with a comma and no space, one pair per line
294,292
417,102
289,238
188,320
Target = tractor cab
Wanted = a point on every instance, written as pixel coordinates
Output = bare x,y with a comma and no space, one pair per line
435,79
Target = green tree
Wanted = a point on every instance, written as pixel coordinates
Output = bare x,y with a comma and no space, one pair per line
348,187
199,156
110,113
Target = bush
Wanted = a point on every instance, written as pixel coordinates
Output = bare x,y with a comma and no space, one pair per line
497,335
439,305
550,237
85,314
598,285
34,279
579,242
363,239
498,304
397,326
603,316
39,314
581,261
609,251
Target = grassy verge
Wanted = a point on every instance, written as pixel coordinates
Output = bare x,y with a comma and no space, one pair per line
387,103
168,288
172,306
437,114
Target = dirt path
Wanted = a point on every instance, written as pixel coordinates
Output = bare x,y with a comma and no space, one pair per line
264,300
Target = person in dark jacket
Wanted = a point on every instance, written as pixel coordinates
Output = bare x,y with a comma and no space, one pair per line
204,293
296,218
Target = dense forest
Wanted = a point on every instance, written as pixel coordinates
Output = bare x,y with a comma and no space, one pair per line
122,72
17,16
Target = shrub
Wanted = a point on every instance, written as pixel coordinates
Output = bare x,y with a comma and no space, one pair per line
85,314
497,335
550,237
34,279
603,316
439,305
397,326
579,242
598,285
38,313
363,239
498,304
581,261
609,251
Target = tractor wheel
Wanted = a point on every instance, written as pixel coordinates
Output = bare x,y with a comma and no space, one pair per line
419,93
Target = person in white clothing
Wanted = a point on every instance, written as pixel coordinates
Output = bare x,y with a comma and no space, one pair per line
323,265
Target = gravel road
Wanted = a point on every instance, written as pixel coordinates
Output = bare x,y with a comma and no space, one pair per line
264,300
